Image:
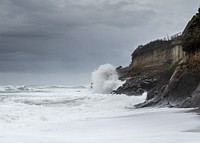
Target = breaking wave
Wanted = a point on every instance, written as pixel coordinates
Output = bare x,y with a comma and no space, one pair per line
105,79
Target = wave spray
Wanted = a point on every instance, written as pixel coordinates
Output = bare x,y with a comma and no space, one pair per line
105,79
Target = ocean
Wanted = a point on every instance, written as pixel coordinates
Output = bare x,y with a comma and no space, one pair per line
62,114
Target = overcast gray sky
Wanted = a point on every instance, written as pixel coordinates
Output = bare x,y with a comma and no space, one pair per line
63,41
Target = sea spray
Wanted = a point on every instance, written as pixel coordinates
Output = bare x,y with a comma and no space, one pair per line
105,79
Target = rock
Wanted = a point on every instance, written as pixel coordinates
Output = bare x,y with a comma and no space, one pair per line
179,91
137,84
182,91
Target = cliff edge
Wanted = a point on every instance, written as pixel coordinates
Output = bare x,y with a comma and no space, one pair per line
168,70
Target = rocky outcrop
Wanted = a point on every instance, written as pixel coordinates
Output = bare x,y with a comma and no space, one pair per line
183,87
169,74
151,68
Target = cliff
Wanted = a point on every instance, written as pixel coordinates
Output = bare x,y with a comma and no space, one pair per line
152,65
168,70
155,56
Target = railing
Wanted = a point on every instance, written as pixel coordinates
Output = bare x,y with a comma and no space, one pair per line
168,38
176,35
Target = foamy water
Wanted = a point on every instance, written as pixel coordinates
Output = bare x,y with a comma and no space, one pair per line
22,105
59,114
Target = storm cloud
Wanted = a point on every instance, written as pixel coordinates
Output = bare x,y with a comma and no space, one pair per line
70,38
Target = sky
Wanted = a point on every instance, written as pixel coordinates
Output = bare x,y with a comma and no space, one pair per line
51,42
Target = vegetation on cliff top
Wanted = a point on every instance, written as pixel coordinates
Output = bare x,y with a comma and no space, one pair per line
191,34
150,47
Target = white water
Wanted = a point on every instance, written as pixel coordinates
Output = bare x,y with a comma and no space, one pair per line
105,79
59,114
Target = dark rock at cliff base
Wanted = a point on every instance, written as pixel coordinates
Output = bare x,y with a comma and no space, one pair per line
195,98
150,82
138,84
182,92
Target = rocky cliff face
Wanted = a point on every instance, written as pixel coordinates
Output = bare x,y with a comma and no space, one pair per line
183,88
151,67
170,74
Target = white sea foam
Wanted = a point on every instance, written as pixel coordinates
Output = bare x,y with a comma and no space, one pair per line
105,79
59,114
76,102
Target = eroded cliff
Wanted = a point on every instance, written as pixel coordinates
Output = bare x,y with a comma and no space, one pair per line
151,67
169,71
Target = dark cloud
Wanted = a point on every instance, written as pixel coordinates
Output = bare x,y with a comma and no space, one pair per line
73,37
23,35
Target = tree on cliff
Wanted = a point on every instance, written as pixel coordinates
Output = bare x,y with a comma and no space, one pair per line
191,34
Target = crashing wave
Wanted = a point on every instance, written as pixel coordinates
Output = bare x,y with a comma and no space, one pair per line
105,79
